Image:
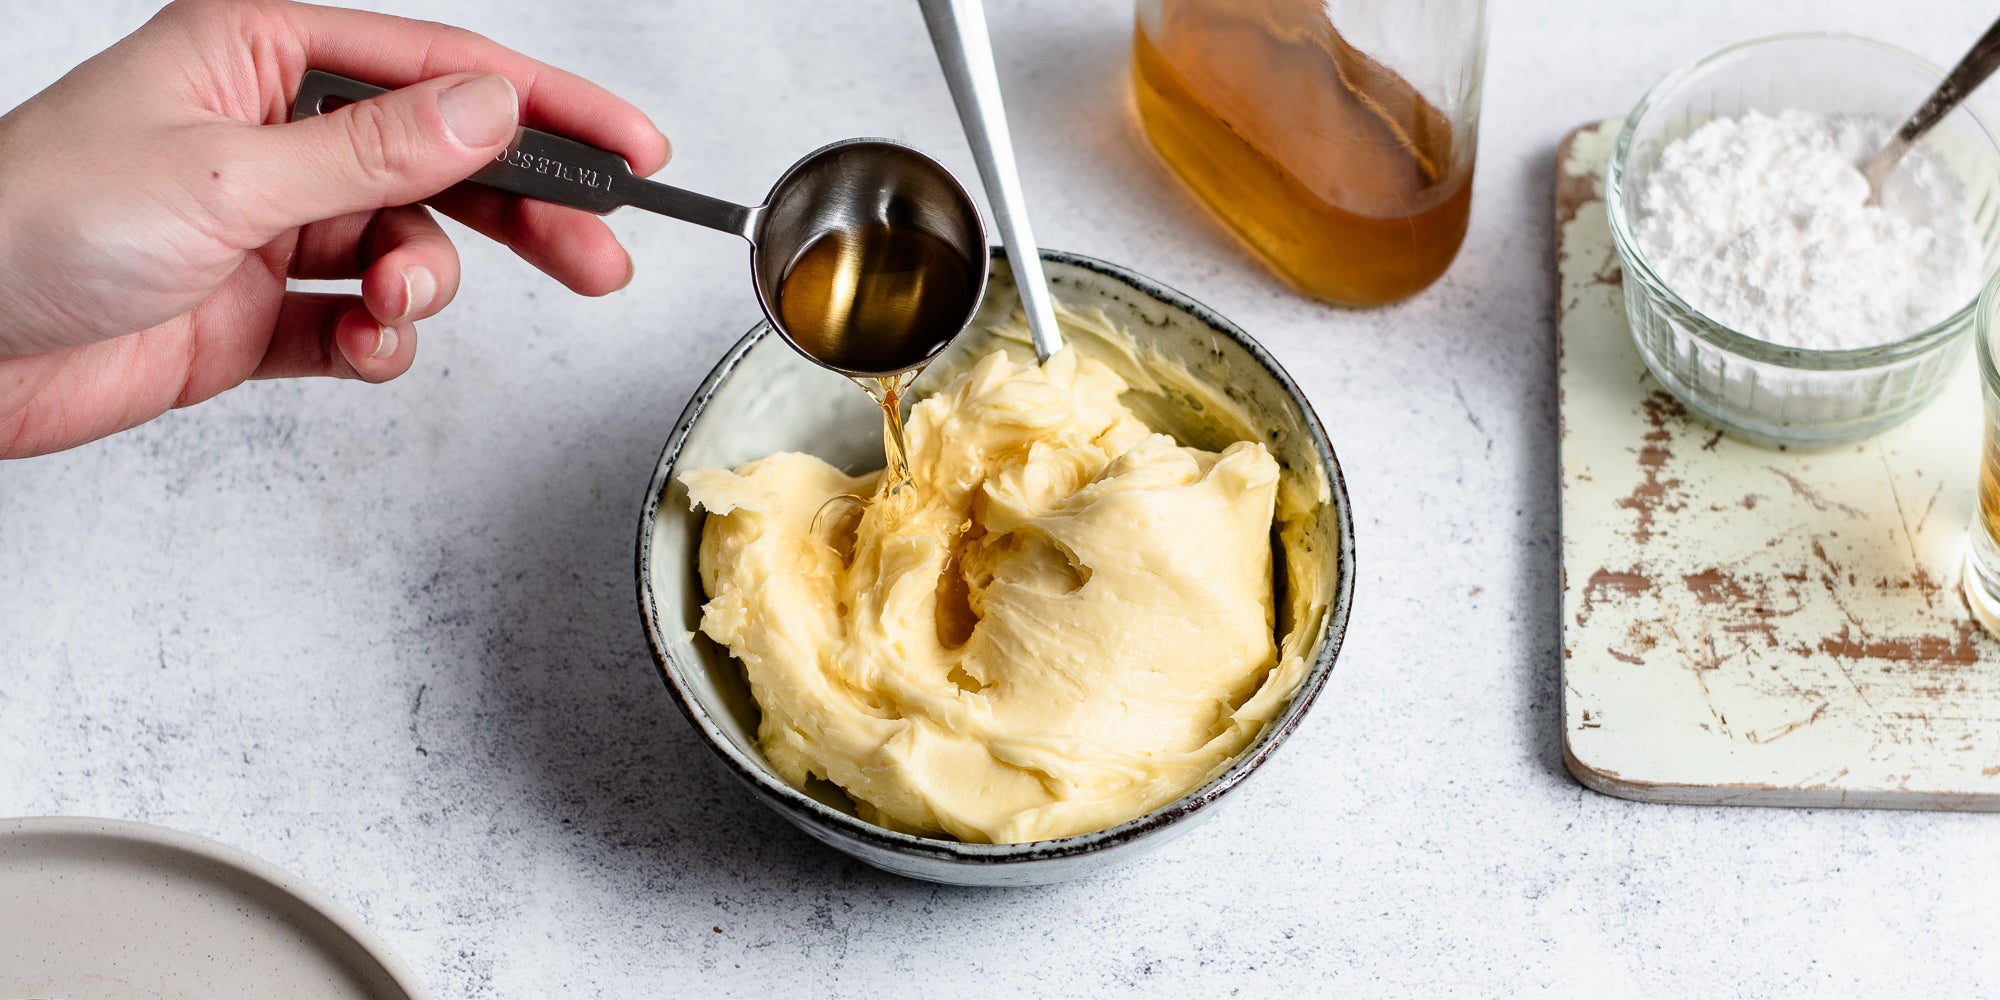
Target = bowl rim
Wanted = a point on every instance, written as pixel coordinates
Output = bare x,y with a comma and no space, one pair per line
1721,334
775,791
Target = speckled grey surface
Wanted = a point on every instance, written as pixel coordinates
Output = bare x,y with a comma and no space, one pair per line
386,637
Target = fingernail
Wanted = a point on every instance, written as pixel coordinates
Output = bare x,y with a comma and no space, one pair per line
481,111
385,342
631,270
419,288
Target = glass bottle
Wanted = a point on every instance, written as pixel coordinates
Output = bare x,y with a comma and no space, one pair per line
1336,137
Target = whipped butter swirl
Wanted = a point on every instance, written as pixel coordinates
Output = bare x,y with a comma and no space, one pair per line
1066,624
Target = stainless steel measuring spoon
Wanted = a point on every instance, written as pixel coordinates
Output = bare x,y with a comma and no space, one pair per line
1964,78
868,257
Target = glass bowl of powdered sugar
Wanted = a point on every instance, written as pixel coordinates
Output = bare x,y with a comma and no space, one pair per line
1761,291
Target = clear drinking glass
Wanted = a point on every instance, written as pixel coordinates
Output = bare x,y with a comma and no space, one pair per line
1336,137
1982,562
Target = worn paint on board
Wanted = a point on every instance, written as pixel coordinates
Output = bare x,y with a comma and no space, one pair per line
1751,625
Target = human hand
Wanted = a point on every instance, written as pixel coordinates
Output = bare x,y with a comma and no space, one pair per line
154,200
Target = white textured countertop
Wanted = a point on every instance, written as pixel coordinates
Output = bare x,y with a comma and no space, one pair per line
387,637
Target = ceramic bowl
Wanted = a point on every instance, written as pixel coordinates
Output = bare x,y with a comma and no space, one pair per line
763,398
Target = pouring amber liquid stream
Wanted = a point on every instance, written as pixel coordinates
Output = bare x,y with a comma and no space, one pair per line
866,298
1328,163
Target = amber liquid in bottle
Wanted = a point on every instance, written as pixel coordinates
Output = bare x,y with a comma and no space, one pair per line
1989,477
1982,572
1333,168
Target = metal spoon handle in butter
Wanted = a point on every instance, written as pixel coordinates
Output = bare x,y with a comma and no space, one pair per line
1958,84
965,51
868,257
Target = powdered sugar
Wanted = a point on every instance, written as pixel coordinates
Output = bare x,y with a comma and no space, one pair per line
1758,222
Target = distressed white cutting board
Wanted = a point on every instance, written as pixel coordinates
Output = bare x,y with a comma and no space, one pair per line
1747,625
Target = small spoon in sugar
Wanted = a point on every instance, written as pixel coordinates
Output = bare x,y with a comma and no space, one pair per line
1958,84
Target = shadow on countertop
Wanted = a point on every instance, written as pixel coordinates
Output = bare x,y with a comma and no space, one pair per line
600,752
1541,473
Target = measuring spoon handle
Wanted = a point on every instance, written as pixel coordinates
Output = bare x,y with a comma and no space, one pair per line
552,168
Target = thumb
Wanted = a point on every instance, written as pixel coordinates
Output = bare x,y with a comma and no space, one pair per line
395,149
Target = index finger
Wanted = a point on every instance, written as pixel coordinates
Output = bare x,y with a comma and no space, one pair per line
394,52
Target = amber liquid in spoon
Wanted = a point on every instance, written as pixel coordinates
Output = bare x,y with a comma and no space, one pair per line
877,298
874,298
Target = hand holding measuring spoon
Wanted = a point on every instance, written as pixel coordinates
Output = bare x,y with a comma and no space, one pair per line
867,256
158,202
